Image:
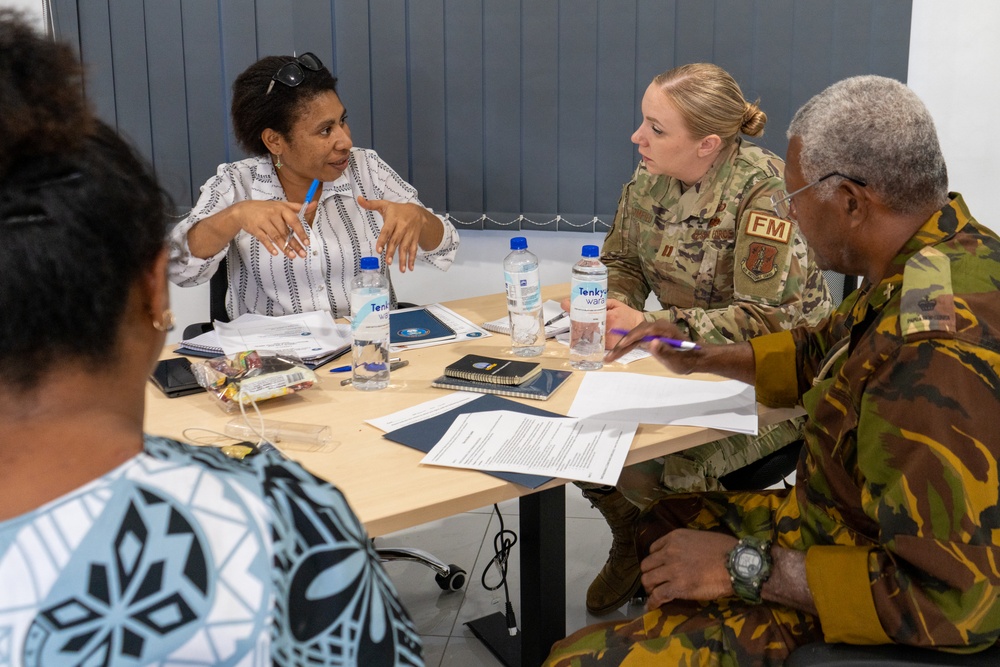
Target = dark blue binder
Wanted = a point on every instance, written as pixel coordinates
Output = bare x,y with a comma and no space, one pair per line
424,435
417,325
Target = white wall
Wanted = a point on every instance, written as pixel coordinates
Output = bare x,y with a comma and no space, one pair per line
955,68
31,7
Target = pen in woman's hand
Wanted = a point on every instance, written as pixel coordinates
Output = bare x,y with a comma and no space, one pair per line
302,209
672,342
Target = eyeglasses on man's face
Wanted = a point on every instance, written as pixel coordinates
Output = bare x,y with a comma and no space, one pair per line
781,201
291,74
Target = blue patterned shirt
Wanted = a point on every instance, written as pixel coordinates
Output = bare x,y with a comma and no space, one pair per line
183,556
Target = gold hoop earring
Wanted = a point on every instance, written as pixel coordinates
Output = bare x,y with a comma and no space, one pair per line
166,321
277,162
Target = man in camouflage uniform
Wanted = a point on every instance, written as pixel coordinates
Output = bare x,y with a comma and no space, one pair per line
891,531
725,269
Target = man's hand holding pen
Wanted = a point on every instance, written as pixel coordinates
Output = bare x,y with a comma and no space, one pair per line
664,340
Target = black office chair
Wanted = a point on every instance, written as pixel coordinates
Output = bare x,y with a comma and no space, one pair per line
449,577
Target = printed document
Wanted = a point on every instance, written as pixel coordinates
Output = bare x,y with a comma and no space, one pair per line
308,335
425,410
648,399
580,449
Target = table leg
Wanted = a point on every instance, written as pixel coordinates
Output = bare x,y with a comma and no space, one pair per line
542,541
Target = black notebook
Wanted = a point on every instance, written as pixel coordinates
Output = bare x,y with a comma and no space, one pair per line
539,388
417,325
490,369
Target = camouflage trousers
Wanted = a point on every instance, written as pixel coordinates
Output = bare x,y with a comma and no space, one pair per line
699,468
725,632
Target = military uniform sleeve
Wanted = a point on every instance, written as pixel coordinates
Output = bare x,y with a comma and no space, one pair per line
620,253
927,451
786,363
219,193
776,284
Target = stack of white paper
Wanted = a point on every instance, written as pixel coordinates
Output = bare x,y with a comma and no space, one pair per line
309,336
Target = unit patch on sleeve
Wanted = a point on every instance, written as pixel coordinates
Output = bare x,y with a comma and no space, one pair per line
759,262
769,227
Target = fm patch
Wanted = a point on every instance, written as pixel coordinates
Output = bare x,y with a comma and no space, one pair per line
759,262
769,227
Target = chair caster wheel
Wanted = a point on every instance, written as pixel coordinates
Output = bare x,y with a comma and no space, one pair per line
453,581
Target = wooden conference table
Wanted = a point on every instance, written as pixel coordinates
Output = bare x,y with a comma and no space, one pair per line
390,491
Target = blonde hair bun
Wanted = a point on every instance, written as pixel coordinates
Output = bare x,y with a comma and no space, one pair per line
754,120
711,102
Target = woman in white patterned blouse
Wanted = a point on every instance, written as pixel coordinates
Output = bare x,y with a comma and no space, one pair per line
287,114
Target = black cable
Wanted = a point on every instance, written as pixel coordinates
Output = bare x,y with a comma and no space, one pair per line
503,541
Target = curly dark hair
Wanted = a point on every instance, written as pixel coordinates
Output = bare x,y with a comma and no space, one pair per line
255,110
82,217
41,113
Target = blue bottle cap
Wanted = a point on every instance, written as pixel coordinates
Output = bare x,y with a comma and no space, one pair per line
369,263
591,251
518,243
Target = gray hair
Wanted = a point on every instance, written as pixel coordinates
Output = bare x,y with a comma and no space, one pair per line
878,131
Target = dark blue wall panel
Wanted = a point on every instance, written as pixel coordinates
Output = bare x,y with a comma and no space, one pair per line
505,113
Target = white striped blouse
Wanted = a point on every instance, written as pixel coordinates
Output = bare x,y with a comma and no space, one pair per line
341,234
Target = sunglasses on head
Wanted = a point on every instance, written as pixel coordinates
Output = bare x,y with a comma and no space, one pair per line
291,74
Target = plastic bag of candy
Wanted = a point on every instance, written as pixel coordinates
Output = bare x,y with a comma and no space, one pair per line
252,376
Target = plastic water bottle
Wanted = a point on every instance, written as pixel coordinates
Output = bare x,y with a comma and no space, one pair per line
524,299
370,327
588,311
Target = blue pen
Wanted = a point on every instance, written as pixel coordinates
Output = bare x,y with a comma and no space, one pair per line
302,210
344,369
672,342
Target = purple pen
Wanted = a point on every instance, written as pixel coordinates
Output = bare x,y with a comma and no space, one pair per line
672,342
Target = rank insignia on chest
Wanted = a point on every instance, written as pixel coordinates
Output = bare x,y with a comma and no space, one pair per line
759,262
769,227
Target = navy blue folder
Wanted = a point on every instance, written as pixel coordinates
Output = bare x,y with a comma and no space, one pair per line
424,435
416,325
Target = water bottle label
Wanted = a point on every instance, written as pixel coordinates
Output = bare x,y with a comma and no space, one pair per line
588,300
371,316
524,294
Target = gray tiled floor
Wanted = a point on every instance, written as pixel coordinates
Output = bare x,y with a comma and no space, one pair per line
467,540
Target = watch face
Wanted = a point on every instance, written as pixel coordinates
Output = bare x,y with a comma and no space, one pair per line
747,563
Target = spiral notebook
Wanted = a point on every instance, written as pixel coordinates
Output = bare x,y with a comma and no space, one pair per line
551,311
478,368
539,388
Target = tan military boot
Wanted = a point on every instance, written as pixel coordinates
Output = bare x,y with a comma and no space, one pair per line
618,580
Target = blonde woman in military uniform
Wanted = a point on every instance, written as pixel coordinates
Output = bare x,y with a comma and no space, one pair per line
696,228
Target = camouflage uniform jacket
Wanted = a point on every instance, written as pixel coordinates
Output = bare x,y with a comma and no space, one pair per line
900,467
722,265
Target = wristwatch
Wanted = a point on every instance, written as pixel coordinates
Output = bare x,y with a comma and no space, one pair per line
749,566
